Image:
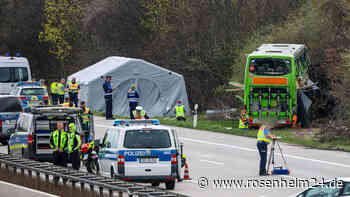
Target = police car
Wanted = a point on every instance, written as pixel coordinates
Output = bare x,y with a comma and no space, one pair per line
31,138
10,110
31,93
141,151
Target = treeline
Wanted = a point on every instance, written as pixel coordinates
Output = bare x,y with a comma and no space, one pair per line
200,39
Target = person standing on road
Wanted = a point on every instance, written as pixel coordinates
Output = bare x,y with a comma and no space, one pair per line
59,142
263,140
85,120
133,98
60,91
73,88
108,90
74,144
180,111
54,92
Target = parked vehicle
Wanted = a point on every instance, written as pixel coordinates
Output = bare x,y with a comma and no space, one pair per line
31,93
31,138
336,187
141,151
10,110
12,71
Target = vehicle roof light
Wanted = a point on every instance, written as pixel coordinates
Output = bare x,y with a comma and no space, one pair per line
135,122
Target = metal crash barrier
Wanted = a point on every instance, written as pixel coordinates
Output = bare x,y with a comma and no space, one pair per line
102,183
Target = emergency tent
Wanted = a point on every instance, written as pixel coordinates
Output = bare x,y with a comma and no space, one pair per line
158,88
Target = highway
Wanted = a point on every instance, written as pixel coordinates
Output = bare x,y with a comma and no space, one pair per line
216,156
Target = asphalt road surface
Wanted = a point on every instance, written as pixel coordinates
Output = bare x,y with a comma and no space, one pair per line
216,158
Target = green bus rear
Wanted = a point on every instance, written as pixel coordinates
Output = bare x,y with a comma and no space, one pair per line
271,74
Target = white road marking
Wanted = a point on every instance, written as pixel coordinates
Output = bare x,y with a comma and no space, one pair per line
191,181
212,162
255,150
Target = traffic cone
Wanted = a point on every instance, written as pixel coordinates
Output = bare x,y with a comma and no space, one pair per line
187,172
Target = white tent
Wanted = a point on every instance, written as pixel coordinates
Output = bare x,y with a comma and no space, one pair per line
158,88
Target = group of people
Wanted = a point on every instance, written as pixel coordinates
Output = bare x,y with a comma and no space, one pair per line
58,89
136,110
66,144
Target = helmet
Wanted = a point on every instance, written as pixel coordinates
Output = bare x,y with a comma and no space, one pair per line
71,127
179,101
139,108
84,148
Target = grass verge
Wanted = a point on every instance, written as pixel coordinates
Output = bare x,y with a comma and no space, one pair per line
292,136
304,137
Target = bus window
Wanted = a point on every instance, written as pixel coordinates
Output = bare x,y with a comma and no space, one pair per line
270,66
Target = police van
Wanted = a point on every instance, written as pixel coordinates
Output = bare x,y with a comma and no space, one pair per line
141,151
12,71
31,139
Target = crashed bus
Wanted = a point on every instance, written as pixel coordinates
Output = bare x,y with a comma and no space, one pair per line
273,74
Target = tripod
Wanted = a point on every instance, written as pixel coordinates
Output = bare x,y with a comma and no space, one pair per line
277,169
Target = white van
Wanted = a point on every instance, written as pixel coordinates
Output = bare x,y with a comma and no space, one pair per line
142,151
13,70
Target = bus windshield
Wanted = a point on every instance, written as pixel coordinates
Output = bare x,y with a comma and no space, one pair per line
270,66
13,74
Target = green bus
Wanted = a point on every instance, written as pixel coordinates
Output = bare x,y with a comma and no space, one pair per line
273,74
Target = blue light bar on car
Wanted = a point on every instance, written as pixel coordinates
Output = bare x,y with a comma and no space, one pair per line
155,122
31,83
135,122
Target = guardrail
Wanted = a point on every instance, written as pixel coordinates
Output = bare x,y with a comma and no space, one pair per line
83,178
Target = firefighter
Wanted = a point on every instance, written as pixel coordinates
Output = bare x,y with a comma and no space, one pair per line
73,88
59,142
74,144
180,111
243,120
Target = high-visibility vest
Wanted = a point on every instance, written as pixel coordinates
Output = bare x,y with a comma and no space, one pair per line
85,115
261,135
71,137
54,136
140,115
60,88
73,87
243,124
53,88
180,112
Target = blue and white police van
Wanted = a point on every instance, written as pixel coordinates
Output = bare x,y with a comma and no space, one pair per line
141,151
